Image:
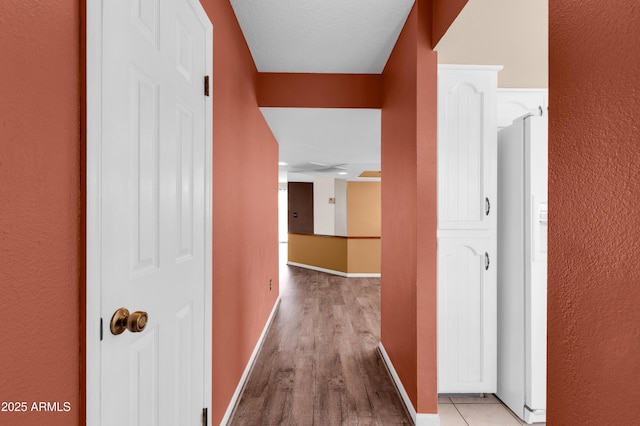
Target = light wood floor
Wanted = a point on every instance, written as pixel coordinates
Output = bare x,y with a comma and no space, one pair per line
319,364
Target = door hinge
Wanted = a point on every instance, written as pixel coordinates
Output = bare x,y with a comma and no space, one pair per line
205,419
206,85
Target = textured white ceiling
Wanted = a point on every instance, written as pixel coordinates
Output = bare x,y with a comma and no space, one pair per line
326,141
321,36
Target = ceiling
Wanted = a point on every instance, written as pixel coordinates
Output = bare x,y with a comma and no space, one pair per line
323,36
357,37
332,142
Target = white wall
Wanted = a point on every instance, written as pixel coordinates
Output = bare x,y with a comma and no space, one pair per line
341,207
283,205
323,211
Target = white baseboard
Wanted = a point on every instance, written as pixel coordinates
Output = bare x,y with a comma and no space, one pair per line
333,272
396,380
419,419
247,370
428,419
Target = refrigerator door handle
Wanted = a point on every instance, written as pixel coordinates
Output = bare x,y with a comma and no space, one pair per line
486,261
487,205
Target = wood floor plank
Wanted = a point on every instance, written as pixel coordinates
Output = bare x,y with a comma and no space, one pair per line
319,363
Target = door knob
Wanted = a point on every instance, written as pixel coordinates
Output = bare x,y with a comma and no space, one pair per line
122,320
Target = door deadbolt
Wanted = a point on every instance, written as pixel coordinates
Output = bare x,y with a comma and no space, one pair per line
122,320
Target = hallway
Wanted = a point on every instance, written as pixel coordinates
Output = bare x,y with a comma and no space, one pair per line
319,364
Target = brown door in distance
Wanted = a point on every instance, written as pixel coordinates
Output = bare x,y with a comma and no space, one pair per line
300,207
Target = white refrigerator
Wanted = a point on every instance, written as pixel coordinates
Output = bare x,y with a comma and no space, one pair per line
522,266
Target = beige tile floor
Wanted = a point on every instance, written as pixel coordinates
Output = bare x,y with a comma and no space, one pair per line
476,411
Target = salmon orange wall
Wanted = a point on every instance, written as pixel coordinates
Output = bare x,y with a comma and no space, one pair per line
245,208
594,220
319,90
408,300
41,207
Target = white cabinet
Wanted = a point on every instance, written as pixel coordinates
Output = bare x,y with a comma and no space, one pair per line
467,228
467,344
467,147
514,103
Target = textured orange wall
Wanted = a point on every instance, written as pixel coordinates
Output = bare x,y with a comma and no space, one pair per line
427,197
319,90
408,299
245,208
594,220
444,13
398,289
41,207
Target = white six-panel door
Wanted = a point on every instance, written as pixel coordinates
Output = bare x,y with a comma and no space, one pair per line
153,180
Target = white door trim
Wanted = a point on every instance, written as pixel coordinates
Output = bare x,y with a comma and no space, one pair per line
93,219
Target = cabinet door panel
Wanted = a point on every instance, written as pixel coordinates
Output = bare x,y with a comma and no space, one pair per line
514,103
466,315
467,147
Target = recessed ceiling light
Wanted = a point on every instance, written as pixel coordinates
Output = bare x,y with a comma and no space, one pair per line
342,173
281,163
